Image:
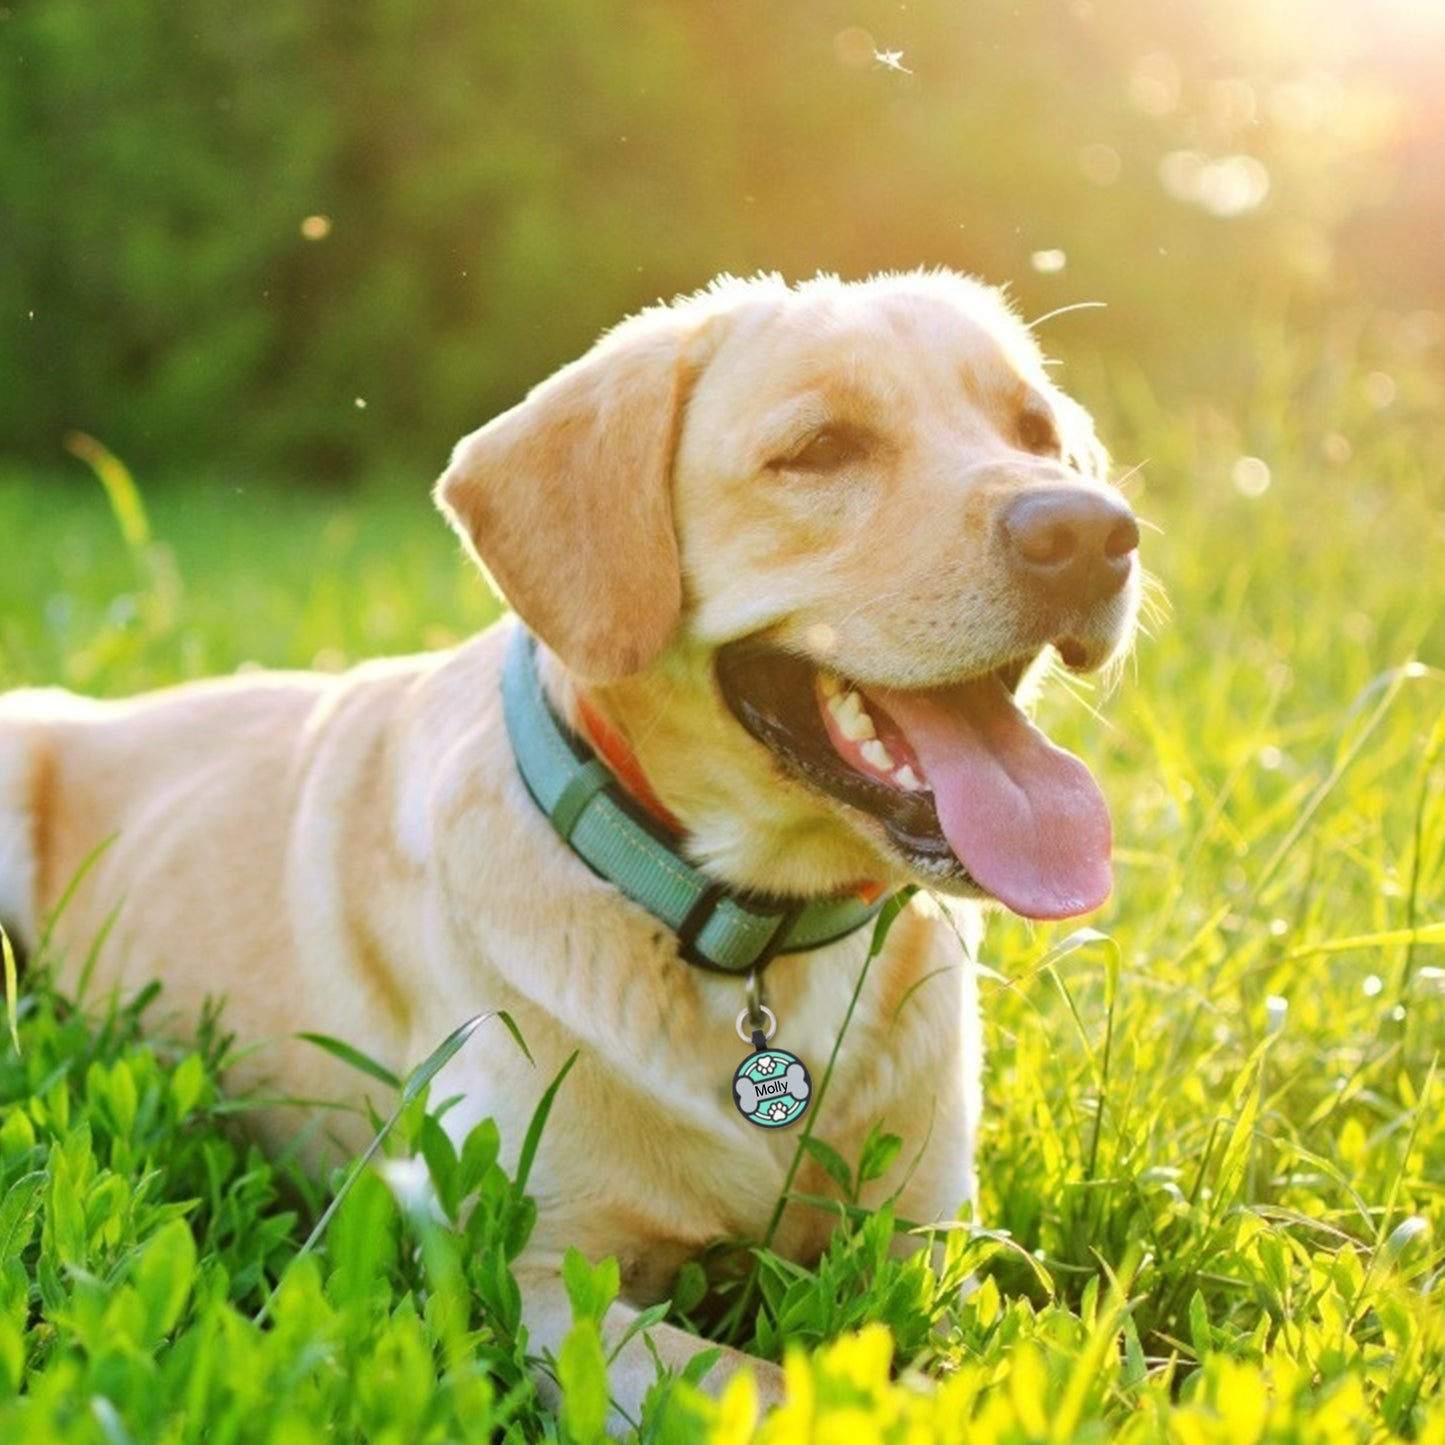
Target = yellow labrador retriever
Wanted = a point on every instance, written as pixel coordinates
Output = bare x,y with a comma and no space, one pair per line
784,558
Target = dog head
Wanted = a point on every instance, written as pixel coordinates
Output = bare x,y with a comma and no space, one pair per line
800,547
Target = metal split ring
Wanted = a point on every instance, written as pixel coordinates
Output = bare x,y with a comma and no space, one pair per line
748,1015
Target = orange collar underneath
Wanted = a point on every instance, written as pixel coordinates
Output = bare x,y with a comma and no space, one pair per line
613,749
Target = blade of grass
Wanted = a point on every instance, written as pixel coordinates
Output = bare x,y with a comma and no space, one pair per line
1388,685
77,878
120,488
1430,933
886,918
416,1081
1088,1367
1417,854
1111,997
364,1063
1386,1214
12,989
743,1304
92,957
538,1123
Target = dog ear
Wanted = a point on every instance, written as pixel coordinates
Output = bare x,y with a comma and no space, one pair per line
566,500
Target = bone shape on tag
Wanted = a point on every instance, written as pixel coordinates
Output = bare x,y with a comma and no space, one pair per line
795,1084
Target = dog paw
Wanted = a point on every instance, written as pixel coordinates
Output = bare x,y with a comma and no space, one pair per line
770,1384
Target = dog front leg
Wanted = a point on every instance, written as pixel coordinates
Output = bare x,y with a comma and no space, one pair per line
633,1362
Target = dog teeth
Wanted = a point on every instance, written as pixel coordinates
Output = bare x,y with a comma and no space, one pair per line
852,717
853,720
858,726
877,756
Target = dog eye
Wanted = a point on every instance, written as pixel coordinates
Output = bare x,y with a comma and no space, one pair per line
828,449
1036,432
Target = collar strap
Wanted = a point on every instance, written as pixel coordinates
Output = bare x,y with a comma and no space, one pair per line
719,928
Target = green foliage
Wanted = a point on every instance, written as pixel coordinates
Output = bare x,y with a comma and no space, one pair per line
370,573
138,1235
1211,1206
324,240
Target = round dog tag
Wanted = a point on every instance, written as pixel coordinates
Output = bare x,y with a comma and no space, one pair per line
771,1088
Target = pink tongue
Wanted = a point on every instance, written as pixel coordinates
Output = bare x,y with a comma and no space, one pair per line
1024,817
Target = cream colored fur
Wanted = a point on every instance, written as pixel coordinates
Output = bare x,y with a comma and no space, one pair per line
17,849
357,854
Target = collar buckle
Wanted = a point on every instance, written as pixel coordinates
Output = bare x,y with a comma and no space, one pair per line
787,912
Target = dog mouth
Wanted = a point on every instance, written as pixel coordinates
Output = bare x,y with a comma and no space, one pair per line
970,794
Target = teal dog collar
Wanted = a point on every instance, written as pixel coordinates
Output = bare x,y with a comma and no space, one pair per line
718,928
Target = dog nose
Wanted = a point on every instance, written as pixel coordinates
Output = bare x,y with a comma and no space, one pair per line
1074,543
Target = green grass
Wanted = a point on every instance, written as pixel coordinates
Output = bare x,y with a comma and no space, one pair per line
1215,1143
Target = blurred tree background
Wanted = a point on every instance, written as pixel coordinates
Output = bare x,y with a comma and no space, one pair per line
317,240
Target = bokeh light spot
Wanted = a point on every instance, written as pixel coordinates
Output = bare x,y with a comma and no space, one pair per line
1250,477
1230,186
1154,84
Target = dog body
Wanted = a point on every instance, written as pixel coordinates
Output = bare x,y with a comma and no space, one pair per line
377,834
731,514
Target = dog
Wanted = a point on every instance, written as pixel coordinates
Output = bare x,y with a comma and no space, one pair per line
782,562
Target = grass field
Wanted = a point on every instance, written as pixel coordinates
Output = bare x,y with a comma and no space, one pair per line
1214,1162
